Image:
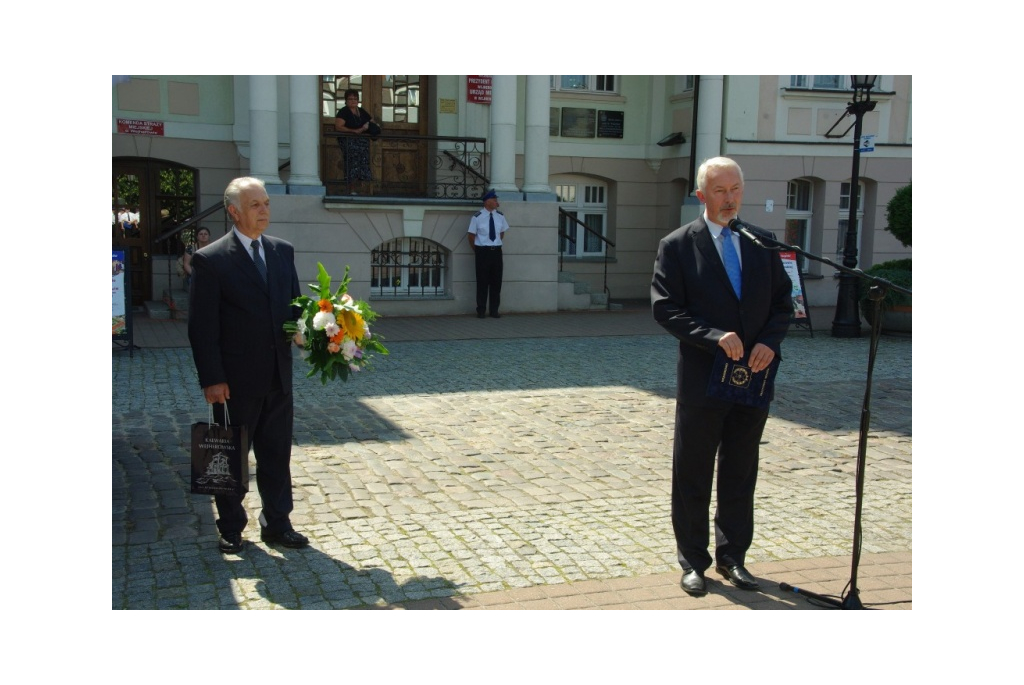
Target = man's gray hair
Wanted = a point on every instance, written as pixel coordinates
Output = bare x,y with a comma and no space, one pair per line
715,163
235,189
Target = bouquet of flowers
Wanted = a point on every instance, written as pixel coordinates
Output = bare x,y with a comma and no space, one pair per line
334,330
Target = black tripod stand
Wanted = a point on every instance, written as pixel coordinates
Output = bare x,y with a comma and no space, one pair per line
876,293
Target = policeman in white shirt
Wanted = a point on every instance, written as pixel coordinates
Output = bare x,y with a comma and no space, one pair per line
486,233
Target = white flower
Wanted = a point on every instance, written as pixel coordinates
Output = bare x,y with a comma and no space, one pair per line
353,367
302,326
349,348
322,319
332,329
366,331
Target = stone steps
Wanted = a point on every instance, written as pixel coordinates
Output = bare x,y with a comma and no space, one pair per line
575,295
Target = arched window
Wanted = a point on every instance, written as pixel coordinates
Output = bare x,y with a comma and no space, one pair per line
584,200
799,208
844,214
405,268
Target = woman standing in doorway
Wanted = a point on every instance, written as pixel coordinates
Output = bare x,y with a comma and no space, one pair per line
202,240
355,121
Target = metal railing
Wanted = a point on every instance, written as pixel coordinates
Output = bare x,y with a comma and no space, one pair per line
596,234
414,166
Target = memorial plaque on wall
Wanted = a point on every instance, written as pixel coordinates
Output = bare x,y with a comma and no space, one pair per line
610,124
578,122
556,120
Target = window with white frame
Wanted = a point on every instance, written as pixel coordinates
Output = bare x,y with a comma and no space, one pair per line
799,207
844,209
684,84
586,201
585,84
819,82
844,197
408,268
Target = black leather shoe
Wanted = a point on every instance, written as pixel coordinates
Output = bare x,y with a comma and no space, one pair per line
288,538
738,576
230,543
693,582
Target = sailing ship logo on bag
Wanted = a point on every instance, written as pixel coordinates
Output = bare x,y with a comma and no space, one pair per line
217,473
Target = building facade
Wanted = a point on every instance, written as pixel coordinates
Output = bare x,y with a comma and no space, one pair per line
591,172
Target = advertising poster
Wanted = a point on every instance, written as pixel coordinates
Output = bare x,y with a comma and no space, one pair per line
120,297
793,271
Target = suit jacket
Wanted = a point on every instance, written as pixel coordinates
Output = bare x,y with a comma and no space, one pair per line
691,297
235,318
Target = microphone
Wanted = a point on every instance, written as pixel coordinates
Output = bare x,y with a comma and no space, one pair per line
739,227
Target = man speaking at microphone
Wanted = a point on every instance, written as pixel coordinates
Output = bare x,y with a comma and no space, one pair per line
714,291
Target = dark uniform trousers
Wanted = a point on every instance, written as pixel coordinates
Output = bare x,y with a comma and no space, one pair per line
489,268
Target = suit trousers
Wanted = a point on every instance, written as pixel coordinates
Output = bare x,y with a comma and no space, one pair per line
734,432
268,419
489,267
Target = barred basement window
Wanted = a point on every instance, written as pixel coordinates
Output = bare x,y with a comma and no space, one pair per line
409,268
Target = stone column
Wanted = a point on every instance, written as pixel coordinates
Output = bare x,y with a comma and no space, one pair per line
263,132
708,142
538,127
707,139
305,137
503,137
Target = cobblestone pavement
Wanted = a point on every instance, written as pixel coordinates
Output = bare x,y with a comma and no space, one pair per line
460,467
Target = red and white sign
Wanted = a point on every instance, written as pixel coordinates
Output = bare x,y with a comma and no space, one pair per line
478,89
140,127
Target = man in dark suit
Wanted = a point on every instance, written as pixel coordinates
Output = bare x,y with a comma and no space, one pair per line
693,297
242,288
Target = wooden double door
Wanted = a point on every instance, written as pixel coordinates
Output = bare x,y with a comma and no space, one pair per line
398,158
156,195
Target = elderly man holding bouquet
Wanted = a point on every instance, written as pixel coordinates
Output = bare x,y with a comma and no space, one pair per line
243,286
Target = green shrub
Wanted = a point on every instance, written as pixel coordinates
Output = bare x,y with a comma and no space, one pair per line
899,215
897,272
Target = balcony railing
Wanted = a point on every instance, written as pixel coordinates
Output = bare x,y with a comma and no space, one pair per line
414,166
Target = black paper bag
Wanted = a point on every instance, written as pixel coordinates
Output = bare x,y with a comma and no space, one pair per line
734,381
220,458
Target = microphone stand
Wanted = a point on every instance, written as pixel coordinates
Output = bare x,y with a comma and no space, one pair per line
876,293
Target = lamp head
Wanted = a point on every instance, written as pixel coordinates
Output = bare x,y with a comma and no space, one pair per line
864,83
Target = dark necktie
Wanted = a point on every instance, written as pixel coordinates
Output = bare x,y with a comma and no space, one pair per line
493,234
261,266
732,260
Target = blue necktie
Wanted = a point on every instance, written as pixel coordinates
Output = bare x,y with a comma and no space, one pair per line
261,266
732,260
494,235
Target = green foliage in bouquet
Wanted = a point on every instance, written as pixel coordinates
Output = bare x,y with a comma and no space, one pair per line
334,330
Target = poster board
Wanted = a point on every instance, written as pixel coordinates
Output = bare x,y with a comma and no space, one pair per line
801,314
121,302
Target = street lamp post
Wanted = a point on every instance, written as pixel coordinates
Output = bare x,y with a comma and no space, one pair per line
847,319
